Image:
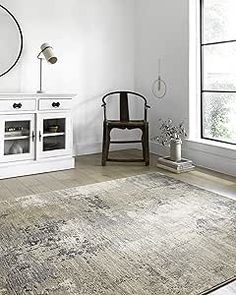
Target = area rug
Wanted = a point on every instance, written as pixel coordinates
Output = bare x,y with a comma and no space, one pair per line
143,235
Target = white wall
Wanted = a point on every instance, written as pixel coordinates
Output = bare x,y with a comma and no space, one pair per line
162,31
94,41
109,44
9,45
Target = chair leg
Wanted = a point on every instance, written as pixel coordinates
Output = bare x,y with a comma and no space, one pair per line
108,131
146,145
104,144
143,144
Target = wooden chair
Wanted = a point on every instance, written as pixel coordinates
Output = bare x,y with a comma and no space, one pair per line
125,123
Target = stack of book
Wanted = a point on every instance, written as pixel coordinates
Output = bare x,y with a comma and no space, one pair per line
184,165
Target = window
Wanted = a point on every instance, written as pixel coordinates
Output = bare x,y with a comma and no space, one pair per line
218,70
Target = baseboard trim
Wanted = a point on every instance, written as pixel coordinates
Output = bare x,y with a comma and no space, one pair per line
96,147
201,158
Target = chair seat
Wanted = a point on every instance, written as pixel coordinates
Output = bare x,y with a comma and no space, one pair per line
131,123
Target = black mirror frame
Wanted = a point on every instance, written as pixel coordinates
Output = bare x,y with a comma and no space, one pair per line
21,39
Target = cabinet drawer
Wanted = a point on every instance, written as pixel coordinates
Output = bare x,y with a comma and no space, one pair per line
17,105
55,104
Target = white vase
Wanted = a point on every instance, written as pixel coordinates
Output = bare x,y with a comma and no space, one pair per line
175,150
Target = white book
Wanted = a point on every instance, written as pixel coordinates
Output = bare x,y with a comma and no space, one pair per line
184,163
175,170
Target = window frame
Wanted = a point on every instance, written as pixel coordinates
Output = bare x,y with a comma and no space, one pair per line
202,90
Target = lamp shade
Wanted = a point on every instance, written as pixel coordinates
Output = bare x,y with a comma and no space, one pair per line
47,51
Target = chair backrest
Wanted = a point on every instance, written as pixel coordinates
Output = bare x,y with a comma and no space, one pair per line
124,103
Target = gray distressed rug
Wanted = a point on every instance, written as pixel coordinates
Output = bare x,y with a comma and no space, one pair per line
142,235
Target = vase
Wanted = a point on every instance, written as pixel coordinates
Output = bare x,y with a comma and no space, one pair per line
175,150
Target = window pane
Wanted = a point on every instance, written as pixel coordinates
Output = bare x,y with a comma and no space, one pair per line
219,21
219,116
219,66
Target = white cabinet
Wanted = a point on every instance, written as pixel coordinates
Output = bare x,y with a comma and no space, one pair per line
35,133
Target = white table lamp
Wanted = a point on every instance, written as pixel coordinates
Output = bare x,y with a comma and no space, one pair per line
45,53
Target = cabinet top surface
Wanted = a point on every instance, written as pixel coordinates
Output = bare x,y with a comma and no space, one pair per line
36,95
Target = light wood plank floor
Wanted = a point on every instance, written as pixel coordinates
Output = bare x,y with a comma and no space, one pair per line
89,170
227,290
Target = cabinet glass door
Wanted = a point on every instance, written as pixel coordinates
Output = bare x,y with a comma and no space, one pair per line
18,137
54,134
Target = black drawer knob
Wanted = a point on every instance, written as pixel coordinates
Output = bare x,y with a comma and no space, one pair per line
56,104
17,105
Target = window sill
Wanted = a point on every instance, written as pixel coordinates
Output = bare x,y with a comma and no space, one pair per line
216,156
211,143
209,148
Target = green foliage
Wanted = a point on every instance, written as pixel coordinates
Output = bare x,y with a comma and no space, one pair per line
169,131
216,111
218,108
216,116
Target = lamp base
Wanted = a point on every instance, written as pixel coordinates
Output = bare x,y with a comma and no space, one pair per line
40,91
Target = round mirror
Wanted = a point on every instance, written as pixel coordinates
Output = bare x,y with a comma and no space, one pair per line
11,41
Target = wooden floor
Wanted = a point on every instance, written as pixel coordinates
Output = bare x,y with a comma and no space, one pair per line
229,289
89,170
